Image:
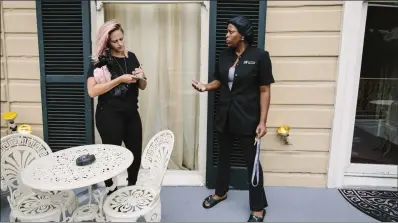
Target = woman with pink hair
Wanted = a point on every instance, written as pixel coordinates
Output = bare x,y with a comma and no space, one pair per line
116,78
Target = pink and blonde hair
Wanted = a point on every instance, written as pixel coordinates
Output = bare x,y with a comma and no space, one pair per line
103,38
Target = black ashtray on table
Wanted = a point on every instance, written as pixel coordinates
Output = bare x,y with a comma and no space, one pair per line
85,160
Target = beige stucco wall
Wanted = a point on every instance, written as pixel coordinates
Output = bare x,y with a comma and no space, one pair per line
303,38
20,74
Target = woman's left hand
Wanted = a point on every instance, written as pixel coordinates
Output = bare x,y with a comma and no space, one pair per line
261,130
139,73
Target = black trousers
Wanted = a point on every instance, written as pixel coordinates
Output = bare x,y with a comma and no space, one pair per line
115,126
257,197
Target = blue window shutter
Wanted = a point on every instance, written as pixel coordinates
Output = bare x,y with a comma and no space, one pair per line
220,12
64,51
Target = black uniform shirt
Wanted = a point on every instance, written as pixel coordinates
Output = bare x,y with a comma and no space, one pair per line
240,106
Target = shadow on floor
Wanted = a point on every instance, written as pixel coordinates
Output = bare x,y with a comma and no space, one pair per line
286,204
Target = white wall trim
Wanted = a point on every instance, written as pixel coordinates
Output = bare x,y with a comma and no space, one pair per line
203,97
369,182
99,4
346,91
375,170
175,177
183,178
341,172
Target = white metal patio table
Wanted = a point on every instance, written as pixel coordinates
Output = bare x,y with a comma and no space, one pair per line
59,171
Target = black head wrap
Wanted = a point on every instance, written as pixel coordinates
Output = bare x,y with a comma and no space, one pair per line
244,26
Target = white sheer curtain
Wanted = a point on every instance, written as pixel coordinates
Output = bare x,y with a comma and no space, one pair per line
166,40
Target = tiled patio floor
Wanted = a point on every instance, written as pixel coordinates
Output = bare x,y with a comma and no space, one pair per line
286,204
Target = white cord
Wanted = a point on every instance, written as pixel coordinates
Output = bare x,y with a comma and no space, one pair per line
256,165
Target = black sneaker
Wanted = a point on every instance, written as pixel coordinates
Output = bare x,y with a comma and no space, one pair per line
253,218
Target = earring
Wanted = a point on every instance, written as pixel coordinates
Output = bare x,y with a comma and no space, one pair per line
243,38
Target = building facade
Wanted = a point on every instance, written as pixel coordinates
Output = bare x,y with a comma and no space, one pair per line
20,72
314,48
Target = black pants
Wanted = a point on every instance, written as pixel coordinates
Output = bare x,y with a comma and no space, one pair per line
115,126
257,198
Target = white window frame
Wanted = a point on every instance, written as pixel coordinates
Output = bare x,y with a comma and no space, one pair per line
342,173
176,177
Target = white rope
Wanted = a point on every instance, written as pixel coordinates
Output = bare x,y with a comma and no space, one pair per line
256,165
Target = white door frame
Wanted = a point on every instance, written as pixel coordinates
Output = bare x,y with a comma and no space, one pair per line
341,172
175,177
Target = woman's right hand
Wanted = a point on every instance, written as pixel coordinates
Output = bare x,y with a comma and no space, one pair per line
199,86
127,79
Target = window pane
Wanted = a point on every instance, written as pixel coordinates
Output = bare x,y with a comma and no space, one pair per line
376,123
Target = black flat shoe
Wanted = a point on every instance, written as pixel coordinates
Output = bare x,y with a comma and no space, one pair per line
111,191
253,218
212,202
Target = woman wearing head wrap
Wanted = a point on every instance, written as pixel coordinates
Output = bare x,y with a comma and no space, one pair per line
243,74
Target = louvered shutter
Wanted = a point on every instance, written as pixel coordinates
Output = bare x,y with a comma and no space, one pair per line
64,50
221,12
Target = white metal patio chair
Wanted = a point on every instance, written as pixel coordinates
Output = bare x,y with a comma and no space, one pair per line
143,199
18,150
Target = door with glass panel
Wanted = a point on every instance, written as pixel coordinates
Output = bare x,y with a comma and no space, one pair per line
166,38
374,149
